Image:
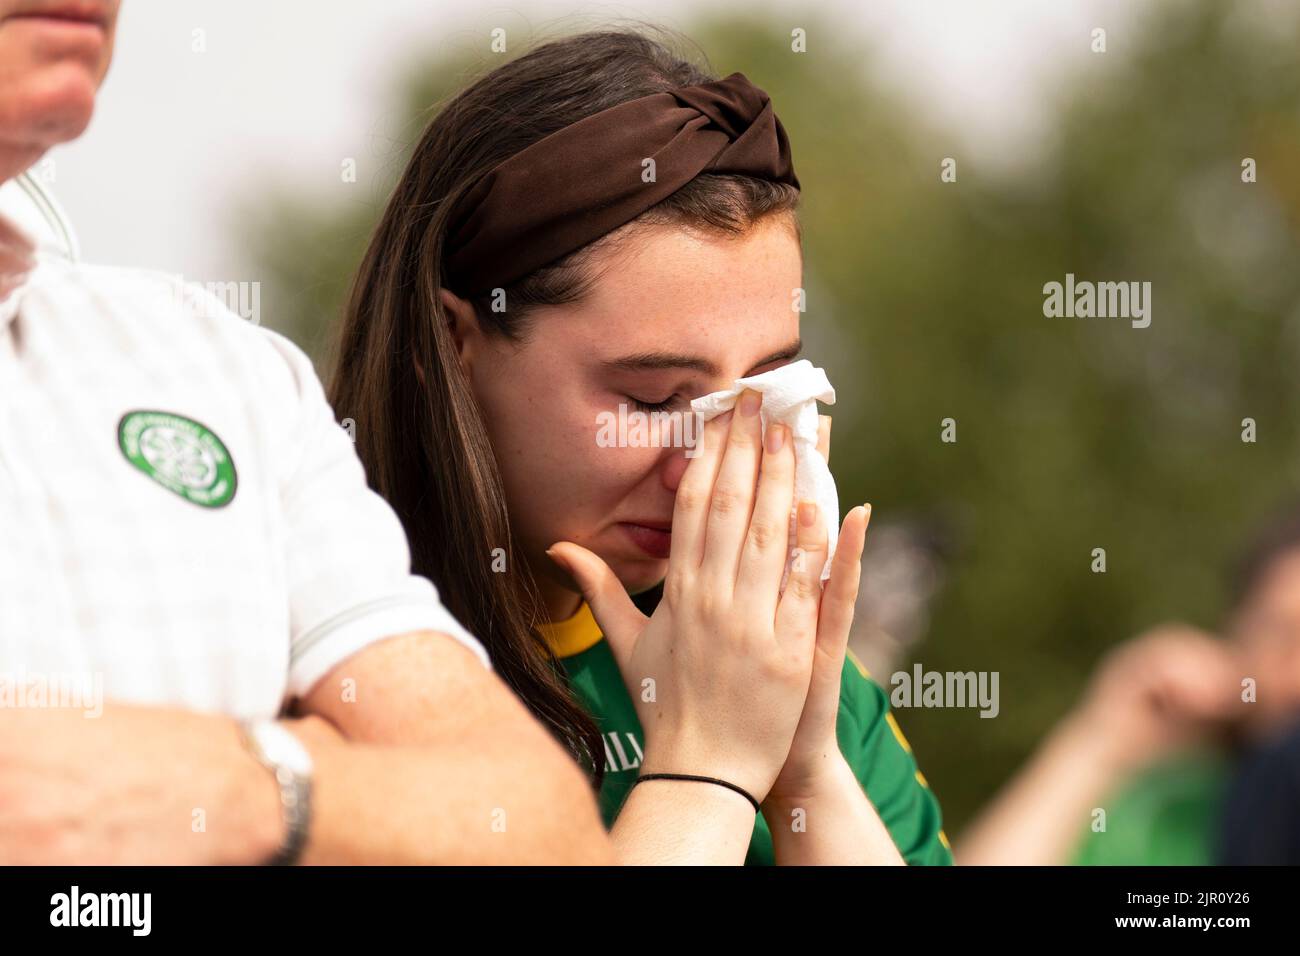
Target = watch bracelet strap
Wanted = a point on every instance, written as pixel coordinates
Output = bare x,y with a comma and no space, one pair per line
295,804
295,801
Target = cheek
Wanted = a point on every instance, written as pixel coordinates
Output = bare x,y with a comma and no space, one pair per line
560,484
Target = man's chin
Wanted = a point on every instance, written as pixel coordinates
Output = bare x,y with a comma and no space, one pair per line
52,108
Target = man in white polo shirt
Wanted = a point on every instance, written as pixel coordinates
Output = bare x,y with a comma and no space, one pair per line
189,551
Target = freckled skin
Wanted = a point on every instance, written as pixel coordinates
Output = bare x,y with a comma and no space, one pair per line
728,301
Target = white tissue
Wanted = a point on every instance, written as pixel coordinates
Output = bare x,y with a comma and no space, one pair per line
790,396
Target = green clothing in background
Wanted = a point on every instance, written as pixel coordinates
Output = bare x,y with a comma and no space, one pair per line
1165,816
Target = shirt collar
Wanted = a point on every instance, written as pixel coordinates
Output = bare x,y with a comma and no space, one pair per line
574,635
29,204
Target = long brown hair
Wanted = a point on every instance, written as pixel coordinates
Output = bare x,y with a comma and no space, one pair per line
418,429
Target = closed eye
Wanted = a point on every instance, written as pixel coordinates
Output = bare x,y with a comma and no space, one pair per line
650,407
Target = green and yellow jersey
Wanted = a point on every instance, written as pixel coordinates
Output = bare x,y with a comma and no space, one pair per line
869,737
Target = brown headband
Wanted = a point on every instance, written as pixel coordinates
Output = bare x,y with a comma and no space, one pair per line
580,182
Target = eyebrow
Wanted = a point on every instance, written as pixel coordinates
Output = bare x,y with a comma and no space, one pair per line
650,361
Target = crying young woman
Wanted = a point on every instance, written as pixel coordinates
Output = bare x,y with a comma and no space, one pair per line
598,223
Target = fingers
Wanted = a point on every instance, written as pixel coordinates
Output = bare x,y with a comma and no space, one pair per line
796,614
11,235
16,258
767,542
824,436
15,247
732,502
618,617
1194,682
691,505
1178,674
841,593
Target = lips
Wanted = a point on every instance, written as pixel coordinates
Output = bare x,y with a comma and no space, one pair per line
653,537
657,525
91,12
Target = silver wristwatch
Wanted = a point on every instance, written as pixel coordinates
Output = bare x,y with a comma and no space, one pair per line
283,754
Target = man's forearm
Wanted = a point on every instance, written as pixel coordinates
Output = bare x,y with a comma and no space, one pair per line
146,785
442,763
470,801
137,785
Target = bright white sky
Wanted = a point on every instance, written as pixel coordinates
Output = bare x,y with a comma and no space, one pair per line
288,88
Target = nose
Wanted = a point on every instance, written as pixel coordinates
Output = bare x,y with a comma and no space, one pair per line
673,468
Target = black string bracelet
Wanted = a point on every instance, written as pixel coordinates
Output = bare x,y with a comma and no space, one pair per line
690,776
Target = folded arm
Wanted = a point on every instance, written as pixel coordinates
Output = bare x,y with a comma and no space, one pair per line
432,761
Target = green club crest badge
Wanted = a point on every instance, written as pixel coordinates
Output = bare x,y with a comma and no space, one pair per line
180,454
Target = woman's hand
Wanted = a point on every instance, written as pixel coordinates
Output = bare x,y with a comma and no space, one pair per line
1167,688
720,672
17,258
815,763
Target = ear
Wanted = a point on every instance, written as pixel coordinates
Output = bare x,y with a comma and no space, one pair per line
462,323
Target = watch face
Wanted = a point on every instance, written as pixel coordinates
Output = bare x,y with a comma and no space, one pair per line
281,747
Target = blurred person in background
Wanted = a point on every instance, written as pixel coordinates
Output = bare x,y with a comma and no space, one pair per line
1172,722
1260,823
491,325
212,649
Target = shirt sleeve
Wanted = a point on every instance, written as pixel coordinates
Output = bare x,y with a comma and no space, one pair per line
347,561
882,760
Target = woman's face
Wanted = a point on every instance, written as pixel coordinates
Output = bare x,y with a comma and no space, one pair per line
673,316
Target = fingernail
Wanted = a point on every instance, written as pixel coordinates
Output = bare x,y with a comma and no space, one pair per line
750,402
807,513
775,438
